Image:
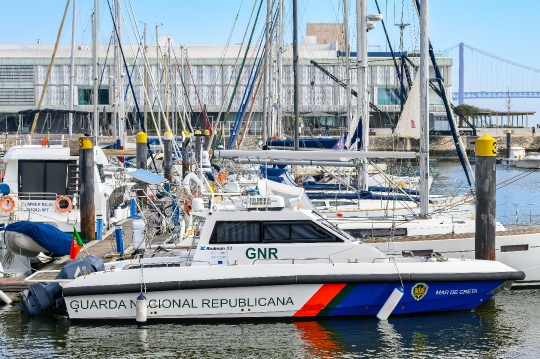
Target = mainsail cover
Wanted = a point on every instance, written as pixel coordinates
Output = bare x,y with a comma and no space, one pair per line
409,121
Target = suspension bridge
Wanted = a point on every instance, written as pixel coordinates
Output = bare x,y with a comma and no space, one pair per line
488,76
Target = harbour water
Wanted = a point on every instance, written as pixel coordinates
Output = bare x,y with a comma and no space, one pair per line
506,327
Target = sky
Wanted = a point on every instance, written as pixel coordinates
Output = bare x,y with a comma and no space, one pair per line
504,28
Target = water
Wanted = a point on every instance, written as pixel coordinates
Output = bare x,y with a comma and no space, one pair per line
517,201
506,327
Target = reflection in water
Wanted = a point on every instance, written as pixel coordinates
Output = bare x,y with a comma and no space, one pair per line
507,327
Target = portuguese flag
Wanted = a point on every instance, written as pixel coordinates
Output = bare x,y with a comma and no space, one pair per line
76,244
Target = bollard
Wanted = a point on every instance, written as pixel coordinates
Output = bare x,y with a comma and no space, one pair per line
142,150
508,142
167,155
486,176
99,227
119,237
86,199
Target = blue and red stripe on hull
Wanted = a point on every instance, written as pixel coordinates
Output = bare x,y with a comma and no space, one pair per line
342,299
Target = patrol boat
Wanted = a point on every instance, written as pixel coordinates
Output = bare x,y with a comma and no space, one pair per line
280,263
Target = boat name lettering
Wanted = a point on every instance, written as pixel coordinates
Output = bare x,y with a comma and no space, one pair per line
247,302
261,253
123,304
456,291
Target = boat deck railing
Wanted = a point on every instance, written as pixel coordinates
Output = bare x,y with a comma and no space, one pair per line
294,259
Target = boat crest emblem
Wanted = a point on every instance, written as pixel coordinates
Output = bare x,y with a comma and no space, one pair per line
419,290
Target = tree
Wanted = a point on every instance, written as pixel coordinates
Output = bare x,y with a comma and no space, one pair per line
467,111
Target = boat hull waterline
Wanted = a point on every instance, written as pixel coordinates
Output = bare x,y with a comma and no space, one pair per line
294,301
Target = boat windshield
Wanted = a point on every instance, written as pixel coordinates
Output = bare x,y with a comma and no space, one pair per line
333,228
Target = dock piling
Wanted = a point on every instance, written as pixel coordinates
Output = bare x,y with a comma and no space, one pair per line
167,155
486,176
86,200
142,150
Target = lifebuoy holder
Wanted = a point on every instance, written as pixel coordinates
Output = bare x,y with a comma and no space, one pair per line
7,204
61,204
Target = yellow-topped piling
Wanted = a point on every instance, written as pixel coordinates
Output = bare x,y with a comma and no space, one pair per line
486,146
141,137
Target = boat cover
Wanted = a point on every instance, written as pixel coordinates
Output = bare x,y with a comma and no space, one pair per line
46,235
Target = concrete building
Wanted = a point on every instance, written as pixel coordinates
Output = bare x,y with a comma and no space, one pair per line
210,69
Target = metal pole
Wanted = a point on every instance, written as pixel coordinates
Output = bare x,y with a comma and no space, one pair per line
362,99
121,109
95,69
295,72
86,198
265,74
158,82
72,70
347,72
279,114
424,108
145,83
486,178
461,72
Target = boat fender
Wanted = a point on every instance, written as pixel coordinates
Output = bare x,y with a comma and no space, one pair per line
7,204
5,298
4,187
141,309
66,208
390,304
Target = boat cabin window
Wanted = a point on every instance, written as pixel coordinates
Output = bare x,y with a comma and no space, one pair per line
237,232
296,232
44,180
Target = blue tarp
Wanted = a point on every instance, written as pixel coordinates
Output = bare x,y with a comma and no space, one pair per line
46,235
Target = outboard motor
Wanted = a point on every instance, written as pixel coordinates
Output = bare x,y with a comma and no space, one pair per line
41,297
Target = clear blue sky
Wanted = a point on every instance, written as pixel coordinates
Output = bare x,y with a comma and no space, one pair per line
505,28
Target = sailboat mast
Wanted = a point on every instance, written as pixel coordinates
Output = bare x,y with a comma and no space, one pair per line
95,67
424,108
295,72
145,83
265,74
72,70
347,70
120,73
279,114
158,95
363,98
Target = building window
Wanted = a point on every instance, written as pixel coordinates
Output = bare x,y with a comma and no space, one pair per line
388,96
85,96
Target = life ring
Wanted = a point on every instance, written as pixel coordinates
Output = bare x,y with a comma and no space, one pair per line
63,209
222,177
187,206
7,204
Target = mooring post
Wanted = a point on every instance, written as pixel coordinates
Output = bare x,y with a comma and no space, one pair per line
168,155
142,150
486,176
207,139
86,204
198,144
508,142
185,156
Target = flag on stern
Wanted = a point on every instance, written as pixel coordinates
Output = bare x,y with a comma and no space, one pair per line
76,244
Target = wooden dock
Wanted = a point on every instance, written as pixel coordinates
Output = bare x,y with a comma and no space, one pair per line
105,249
